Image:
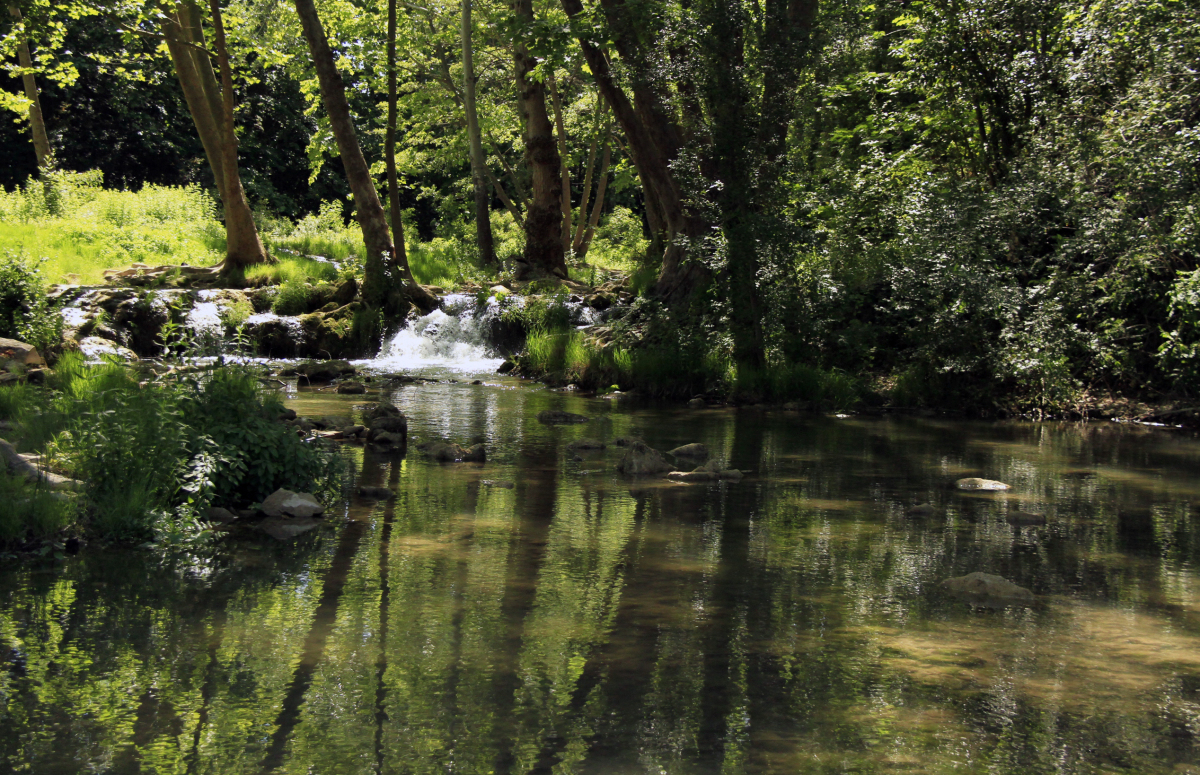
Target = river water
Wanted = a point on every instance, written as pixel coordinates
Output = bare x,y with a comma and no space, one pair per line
581,622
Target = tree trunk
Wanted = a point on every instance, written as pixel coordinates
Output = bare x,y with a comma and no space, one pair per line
37,125
508,203
543,218
400,256
648,149
556,101
181,30
577,240
483,219
598,207
242,245
376,235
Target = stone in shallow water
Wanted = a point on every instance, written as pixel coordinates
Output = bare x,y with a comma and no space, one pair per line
694,451
381,493
351,388
293,504
501,483
554,417
286,529
579,444
921,510
973,483
985,587
641,460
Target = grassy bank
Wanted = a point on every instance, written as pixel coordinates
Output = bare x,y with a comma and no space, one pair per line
152,456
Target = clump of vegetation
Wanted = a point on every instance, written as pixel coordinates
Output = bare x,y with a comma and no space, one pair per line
25,312
154,458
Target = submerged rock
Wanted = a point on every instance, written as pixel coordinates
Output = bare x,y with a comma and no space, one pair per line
921,510
501,483
449,452
694,451
380,493
973,483
351,388
711,471
697,403
223,516
586,444
555,417
1020,518
625,441
286,529
292,504
984,587
641,460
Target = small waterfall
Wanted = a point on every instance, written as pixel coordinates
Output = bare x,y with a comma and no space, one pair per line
448,340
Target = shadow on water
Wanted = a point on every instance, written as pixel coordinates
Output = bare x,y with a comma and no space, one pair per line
582,622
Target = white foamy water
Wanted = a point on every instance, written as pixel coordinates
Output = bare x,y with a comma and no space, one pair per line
439,342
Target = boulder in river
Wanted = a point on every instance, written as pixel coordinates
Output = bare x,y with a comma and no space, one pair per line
921,510
974,483
350,387
283,503
506,367
641,460
693,451
282,529
384,418
223,516
697,403
556,417
94,349
379,493
984,587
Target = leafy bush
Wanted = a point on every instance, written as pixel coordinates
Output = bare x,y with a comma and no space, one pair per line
25,312
154,457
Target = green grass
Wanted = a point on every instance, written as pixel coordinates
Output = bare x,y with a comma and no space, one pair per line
679,373
82,228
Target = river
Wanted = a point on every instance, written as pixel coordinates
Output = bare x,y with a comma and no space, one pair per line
582,622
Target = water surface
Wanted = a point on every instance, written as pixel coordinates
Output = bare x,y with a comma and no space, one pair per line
581,622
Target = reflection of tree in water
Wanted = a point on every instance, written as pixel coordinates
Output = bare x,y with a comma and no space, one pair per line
570,626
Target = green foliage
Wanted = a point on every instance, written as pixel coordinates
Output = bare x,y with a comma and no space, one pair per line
619,242
291,298
254,453
30,511
154,457
82,228
295,269
15,399
25,312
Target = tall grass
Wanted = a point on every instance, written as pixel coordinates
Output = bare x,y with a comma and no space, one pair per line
680,372
81,228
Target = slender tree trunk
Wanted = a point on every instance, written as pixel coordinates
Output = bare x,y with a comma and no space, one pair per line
37,125
483,219
587,178
556,101
371,218
543,219
242,245
508,203
400,256
193,69
598,207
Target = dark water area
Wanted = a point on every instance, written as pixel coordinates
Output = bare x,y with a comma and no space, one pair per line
582,622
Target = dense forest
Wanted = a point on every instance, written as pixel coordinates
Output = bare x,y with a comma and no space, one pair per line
972,204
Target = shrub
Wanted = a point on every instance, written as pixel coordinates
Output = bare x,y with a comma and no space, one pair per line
25,312
29,510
